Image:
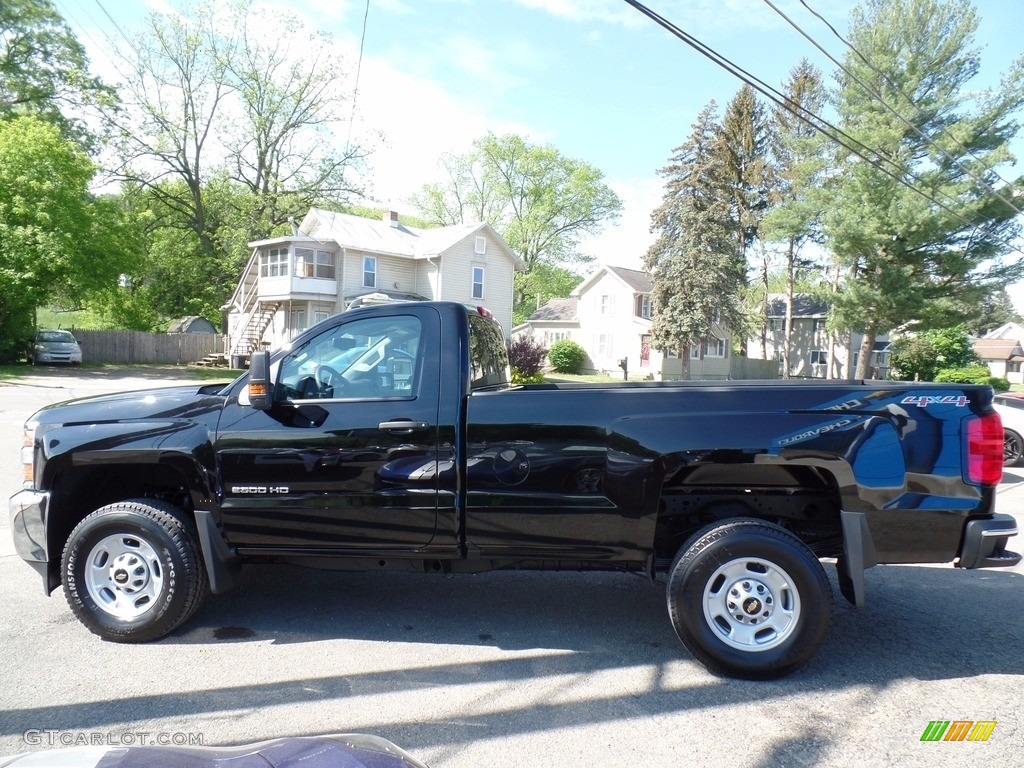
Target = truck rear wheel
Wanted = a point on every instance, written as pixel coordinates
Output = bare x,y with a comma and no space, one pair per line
748,599
133,571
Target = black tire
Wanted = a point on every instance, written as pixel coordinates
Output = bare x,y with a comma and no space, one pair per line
748,599
133,571
1013,448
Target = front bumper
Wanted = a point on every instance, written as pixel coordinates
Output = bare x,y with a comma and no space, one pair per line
985,543
28,510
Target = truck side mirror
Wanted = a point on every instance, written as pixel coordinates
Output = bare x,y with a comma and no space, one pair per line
259,380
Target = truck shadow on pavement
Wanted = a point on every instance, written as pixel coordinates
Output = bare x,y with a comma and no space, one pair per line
920,622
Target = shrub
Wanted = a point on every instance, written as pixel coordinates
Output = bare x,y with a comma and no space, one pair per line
526,358
920,357
566,356
522,378
973,374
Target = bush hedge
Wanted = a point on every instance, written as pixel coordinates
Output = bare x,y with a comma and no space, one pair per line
567,356
973,374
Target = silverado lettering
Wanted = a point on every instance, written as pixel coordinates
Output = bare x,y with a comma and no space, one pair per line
389,437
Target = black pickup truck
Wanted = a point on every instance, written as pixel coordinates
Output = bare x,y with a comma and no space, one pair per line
389,438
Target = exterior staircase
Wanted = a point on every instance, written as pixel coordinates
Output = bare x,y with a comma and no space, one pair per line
251,334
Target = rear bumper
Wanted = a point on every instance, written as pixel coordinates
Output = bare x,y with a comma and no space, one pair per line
28,525
984,543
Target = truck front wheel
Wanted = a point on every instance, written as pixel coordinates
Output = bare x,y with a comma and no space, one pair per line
133,572
748,599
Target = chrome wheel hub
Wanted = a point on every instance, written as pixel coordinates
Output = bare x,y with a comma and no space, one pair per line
751,604
124,576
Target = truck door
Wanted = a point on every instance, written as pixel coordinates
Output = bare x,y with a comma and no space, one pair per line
352,400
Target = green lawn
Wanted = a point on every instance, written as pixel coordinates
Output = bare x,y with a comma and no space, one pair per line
83,319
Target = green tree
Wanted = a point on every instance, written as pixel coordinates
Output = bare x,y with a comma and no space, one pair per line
800,161
541,202
542,283
57,242
921,356
697,270
44,69
995,309
229,139
909,256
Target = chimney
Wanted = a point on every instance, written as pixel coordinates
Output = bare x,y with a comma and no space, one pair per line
391,217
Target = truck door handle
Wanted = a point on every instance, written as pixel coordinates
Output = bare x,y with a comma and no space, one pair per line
401,425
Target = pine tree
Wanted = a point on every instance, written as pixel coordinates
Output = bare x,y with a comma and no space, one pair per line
695,265
800,159
910,256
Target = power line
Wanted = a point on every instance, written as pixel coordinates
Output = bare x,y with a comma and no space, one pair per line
355,89
818,123
117,26
881,100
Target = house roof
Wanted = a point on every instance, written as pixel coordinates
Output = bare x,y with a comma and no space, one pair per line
804,305
639,281
191,324
996,349
636,281
1006,331
556,311
389,237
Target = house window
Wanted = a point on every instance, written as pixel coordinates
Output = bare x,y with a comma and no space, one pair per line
607,305
714,347
480,246
298,320
716,317
310,263
777,324
819,357
604,345
819,325
369,271
324,265
320,314
643,306
274,263
478,282
551,337
695,352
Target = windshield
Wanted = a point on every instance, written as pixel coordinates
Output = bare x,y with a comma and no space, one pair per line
55,336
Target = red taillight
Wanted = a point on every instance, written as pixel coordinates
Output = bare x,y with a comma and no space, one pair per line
484,312
985,449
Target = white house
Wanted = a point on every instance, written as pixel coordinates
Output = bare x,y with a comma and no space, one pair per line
295,281
1001,350
609,315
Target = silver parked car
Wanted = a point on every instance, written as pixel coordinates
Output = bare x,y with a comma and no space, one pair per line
1010,407
52,346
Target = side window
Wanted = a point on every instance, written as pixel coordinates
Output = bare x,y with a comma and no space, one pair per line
376,357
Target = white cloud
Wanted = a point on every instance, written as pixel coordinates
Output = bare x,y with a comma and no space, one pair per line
625,243
420,122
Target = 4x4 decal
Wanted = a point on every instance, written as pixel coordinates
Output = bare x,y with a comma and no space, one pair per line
923,401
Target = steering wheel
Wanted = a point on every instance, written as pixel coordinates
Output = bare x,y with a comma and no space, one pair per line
328,377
